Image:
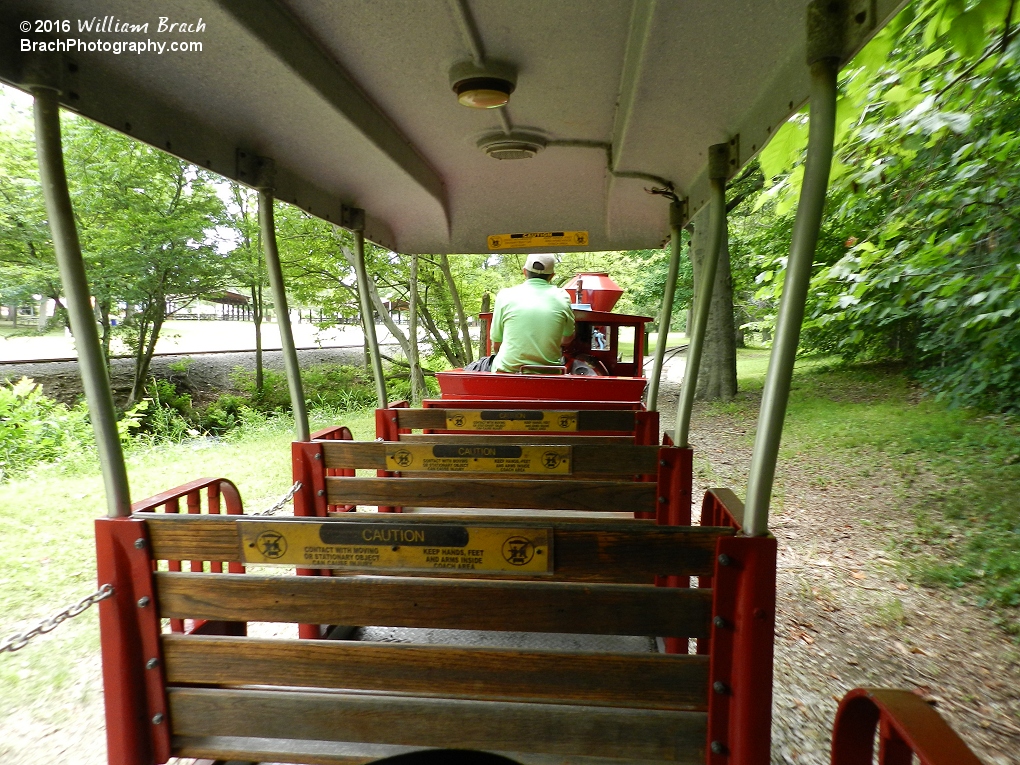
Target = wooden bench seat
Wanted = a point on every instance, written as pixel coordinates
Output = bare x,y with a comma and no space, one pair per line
508,417
648,481
314,701
318,701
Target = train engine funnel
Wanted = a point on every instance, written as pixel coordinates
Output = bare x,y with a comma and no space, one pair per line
593,289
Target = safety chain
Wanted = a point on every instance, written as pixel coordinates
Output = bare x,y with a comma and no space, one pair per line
282,501
19,640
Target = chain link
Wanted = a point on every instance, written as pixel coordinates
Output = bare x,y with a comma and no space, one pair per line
282,501
19,640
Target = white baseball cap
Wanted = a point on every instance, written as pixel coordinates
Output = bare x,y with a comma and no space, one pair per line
540,264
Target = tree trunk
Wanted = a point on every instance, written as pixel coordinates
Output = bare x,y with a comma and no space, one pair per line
380,308
107,336
430,325
256,316
458,306
40,320
156,313
717,378
417,381
14,315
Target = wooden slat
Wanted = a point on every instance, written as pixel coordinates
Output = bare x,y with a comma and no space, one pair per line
654,681
260,749
453,723
226,748
616,459
609,550
555,439
587,420
628,496
467,604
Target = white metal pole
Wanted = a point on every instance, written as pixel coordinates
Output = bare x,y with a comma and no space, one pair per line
676,223
368,316
279,290
91,362
791,309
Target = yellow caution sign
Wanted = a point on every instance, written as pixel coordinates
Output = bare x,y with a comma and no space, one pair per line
410,546
479,458
511,421
538,239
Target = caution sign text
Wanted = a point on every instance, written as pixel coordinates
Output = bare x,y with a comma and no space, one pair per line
538,239
479,458
410,546
511,421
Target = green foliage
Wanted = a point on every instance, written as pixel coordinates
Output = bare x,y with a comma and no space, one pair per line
35,428
919,259
331,386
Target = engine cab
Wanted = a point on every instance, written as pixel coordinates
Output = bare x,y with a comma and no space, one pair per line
604,361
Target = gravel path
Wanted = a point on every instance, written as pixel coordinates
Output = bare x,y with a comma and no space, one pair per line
847,617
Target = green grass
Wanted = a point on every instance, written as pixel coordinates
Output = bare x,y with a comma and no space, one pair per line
959,469
48,554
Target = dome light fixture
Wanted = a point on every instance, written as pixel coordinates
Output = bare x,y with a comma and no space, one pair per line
483,87
483,92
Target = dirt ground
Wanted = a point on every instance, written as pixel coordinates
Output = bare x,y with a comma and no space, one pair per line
847,616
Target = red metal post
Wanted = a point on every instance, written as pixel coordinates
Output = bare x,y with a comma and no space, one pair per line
646,428
741,651
137,718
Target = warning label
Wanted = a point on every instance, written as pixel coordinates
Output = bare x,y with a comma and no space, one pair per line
511,421
538,239
418,547
479,458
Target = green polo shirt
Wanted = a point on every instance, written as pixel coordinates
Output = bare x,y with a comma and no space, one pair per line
531,321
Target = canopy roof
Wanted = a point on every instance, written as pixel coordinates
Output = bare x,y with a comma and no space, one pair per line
352,101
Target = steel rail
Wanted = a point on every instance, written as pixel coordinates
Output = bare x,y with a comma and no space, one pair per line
368,315
666,313
821,135
92,363
267,224
718,168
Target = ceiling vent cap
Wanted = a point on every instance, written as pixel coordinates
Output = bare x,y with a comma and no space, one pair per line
512,146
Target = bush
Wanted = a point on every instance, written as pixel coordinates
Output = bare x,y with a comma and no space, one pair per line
35,428
335,386
165,414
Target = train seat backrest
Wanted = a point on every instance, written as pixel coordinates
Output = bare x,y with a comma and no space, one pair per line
203,495
278,700
577,475
559,419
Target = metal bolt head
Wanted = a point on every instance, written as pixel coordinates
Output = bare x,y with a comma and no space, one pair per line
317,456
157,719
143,601
321,492
663,463
152,663
717,747
663,500
719,622
720,687
725,560
139,543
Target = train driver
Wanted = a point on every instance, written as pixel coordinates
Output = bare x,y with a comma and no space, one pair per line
531,321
